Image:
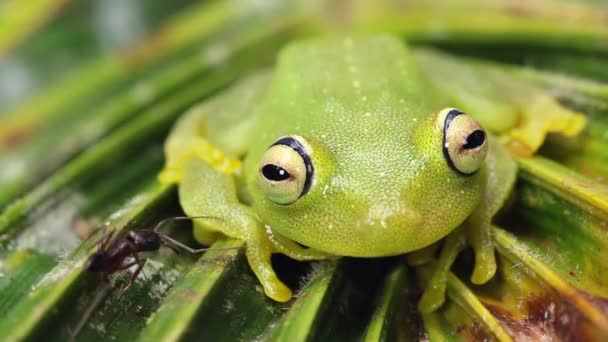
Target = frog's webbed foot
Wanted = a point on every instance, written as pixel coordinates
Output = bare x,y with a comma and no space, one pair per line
539,115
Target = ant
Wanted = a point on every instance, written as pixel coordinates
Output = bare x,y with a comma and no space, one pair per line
111,259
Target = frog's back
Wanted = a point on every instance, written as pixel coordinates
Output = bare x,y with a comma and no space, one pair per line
326,78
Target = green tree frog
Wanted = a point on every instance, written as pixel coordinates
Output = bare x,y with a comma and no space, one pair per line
353,146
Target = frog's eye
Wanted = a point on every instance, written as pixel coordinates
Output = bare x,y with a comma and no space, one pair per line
464,141
286,171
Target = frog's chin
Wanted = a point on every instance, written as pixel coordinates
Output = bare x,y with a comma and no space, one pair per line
372,241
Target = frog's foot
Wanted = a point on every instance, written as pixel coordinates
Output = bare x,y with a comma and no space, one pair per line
434,294
540,115
259,250
485,265
180,151
288,247
479,237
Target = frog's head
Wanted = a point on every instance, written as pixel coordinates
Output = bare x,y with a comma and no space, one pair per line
364,164
373,198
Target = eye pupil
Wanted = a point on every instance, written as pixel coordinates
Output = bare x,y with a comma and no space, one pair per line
474,140
275,173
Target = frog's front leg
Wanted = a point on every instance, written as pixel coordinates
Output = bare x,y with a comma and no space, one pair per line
206,192
500,173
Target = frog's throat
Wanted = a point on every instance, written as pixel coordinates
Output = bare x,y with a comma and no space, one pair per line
198,148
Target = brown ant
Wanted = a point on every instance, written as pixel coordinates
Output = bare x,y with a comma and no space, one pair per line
111,259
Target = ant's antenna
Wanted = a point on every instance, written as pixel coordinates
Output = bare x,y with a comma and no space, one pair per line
171,243
182,218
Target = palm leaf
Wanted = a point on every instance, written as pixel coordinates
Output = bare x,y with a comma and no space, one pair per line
88,145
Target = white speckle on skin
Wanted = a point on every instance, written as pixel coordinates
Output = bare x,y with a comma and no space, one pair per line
446,145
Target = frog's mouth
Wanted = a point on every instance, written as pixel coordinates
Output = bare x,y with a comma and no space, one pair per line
301,244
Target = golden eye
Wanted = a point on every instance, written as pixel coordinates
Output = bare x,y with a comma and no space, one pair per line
464,141
286,171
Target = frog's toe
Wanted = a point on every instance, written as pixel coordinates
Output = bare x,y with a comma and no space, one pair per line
258,253
277,291
433,298
485,268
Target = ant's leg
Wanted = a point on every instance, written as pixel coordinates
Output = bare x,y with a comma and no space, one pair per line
90,235
109,236
140,265
103,241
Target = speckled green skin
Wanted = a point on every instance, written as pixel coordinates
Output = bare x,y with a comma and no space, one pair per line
381,184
